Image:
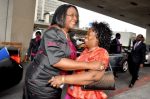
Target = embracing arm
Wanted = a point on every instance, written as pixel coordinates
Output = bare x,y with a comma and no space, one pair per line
69,64
83,78
55,50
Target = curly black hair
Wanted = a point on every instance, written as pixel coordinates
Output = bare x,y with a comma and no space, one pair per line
103,33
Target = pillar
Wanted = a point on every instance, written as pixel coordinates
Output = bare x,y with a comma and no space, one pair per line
148,35
17,21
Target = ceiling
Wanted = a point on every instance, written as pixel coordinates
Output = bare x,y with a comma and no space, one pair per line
136,12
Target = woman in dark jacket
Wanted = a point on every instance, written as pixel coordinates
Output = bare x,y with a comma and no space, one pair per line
55,55
34,45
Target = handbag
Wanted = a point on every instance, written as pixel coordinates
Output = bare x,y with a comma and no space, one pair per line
107,82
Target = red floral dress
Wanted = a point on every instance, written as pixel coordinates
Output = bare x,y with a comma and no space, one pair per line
98,54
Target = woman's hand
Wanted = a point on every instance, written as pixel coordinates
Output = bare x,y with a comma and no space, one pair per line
96,66
57,81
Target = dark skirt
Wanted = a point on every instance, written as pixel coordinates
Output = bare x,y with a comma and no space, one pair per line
28,94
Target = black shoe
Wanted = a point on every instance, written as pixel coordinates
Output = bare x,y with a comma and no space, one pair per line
131,85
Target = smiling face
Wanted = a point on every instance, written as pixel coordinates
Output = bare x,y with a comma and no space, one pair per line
71,18
91,39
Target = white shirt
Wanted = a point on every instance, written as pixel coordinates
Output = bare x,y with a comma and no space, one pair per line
136,44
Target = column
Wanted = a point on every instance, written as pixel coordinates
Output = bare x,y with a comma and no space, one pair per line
147,35
17,21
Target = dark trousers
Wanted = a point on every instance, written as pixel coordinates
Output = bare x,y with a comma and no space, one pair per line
115,71
134,69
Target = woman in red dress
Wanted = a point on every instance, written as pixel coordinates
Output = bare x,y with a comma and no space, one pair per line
97,43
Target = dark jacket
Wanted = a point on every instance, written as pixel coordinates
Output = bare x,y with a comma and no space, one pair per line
138,54
113,47
33,47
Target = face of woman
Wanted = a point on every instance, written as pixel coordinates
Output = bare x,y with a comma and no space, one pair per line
90,39
71,18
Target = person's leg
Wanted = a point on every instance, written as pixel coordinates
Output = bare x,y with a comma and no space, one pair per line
138,72
134,75
130,64
24,96
115,72
32,57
